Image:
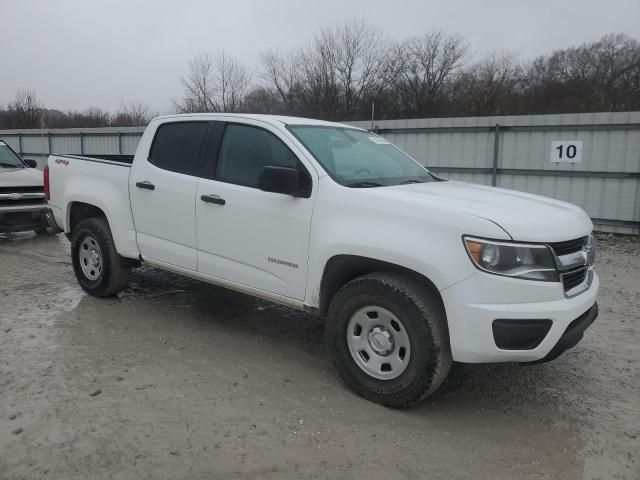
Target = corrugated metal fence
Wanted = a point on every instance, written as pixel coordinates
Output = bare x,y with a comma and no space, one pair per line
511,151
515,152
38,144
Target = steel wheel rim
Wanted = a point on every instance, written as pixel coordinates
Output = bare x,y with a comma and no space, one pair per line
378,342
90,257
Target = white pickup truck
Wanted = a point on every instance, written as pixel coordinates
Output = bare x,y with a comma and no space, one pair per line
410,271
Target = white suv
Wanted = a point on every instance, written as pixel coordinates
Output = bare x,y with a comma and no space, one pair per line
22,200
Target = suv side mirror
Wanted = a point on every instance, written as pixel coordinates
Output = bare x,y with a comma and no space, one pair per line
30,163
279,180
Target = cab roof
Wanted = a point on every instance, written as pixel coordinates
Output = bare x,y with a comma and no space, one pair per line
271,119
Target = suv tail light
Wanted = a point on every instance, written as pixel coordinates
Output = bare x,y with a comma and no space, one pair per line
47,192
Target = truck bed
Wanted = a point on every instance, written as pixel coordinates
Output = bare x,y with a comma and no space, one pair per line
98,181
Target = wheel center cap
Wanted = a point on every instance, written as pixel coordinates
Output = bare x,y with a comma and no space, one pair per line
381,340
94,258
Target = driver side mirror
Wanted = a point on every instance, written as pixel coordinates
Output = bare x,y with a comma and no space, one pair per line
283,180
30,163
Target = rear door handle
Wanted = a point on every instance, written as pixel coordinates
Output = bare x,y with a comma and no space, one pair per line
213,199
147,185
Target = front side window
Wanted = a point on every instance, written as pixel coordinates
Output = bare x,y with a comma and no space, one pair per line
176,146
8,159
246,150
356,158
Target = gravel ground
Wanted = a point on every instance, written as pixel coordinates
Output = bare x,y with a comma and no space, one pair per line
178,379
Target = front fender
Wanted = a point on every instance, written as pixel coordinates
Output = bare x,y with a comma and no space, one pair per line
425,240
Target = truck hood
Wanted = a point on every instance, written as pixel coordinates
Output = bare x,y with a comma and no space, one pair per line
21,177
525,217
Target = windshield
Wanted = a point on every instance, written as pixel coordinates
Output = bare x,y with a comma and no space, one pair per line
357,158
8,159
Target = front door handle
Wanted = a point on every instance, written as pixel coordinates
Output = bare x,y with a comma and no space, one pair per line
147,185
213,199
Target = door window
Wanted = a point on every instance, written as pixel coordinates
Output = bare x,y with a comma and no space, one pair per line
176,147
246,150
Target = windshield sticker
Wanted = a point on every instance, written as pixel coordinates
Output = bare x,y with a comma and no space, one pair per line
379,140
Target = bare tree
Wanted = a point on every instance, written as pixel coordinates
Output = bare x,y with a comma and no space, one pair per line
344,68
263,100
215,83
428,62
26,110
334,76
488,87
319,94
603,75
360,56
198,87
281,74
133,114
231,81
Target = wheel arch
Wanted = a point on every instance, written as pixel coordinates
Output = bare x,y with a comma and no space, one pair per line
341,269
77,211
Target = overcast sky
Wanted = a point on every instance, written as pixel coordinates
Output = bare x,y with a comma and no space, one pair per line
77,53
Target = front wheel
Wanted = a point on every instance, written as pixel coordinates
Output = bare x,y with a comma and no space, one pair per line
388,339
43,228
96,263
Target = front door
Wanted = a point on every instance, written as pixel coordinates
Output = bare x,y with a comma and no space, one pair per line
245,235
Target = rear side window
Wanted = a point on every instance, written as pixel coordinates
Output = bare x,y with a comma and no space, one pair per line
176,147
246,150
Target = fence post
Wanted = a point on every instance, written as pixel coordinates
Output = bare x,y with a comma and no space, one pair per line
496,148
81,143
20,144
119,143
49,142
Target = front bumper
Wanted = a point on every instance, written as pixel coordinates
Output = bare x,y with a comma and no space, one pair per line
51,221
573,334
22,218
474,304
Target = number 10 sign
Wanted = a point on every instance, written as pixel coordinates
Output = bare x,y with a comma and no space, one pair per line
567,151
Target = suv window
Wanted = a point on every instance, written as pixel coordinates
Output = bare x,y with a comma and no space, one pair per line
246,150
8,159
177,145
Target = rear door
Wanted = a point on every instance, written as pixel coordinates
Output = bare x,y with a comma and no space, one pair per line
163,187
245,235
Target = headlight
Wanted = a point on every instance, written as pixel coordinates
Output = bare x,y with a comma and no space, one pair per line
518,260
590,249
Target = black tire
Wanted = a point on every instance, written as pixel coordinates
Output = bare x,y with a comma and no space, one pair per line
42,229
421,313
113,275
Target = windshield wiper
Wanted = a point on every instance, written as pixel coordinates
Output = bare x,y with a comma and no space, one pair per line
411,180
364,184
10,165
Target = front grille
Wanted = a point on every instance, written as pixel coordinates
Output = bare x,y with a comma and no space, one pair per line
574,278
568,246
19,203
22,189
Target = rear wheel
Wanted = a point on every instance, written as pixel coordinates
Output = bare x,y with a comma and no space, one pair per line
96,263
388,339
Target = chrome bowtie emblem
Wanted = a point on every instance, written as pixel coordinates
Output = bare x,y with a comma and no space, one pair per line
15,196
